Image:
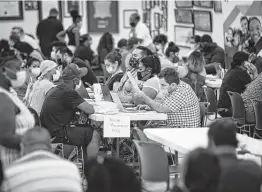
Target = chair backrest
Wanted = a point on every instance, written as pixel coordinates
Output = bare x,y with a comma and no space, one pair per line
139,135
203,110
36,116
258,113
211,99
153,162
238,108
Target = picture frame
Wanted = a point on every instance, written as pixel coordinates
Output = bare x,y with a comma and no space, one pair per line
102,20
31,5
70,5
183,35
164,3
184,4
217,6
127,13
202,20
184,16
157,20
203,4
11,10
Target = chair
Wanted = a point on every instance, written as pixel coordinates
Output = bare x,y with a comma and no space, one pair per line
154,168
212,100
36,116
203,111
258,114
238,112
139,135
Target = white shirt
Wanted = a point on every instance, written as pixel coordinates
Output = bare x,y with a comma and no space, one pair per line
30,41
40,89
142,32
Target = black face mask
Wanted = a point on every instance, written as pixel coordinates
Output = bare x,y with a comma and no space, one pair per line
133,62
132,24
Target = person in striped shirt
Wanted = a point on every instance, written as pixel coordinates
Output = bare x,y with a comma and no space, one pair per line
39,169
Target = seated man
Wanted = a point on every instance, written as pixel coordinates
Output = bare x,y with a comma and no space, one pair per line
39,169
181,103
214,55
237,175
59,109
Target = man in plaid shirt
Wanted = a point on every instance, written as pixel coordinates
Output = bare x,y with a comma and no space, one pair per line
181,103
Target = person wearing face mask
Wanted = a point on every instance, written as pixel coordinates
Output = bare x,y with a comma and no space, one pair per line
15,118
181,103
65,56
59,110
124,87
56,45
113,67
73,31
48,75
140,31
213,54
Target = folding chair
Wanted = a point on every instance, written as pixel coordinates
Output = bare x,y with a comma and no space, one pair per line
203,111
239,113
212,100
258,114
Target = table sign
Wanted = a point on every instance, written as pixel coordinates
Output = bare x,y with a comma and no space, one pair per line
116,126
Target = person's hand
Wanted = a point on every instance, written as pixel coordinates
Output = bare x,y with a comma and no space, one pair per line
252,57
138,95
143,107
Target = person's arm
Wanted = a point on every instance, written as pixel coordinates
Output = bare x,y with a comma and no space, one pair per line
61,35
8,137
161,108
86,108
38,30
219,57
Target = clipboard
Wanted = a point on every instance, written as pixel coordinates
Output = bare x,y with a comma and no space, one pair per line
133,81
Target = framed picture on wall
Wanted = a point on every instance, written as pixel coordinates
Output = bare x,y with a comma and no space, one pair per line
218,6
102,16
204,4
183,35
184,16
203,20
127,14
73,5
11,10
31,5
157,20
184,4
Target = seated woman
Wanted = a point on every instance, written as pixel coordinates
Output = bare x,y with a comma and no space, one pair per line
43,85
235,80
196,75
113,67
172,52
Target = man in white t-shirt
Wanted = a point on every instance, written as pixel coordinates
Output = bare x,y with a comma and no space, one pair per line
140,31
39,169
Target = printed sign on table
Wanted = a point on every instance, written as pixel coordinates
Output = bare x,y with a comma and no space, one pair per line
116,126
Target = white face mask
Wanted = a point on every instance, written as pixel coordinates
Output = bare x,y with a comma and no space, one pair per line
20,79
110,70
35,71
79,85
53,55
56,76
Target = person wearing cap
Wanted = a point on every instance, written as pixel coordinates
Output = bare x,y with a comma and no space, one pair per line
59,109
46,31
236,80
48,75
65,57
237,175
39,169
140,31
214,55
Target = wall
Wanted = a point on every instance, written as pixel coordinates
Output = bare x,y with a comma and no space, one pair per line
31,19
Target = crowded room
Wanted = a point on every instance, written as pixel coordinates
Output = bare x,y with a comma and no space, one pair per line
131,96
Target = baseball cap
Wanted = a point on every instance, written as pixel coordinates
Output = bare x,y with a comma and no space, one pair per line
46,66
72,71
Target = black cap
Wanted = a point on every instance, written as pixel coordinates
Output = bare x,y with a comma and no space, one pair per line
72,71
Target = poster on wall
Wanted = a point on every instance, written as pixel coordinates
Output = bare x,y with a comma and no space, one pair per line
11,10
102,16
237,35
73,5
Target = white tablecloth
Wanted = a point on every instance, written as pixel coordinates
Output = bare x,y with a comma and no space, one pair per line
184,140
214,83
